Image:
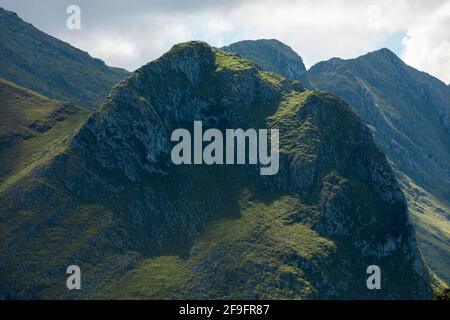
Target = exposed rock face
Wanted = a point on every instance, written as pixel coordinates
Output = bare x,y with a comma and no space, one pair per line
51,67
333,209
408,112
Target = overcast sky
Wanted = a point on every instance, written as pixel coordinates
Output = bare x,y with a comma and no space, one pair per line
130,33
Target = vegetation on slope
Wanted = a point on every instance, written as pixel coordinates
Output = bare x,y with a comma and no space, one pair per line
408,112
260,242
32,129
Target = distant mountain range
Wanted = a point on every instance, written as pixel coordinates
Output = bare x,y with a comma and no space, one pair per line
99,190
408,112
35,60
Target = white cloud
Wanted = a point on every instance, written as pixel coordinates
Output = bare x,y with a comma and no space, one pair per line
217,28
427,43
113,48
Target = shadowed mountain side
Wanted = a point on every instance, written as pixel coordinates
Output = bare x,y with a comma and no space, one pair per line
139,227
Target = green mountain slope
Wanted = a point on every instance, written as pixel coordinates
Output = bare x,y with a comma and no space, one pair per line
140,227
31,128
408,112
35,60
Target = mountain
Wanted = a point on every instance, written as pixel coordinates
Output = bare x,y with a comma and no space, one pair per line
271,55
53,68
111,201
31,128
408,112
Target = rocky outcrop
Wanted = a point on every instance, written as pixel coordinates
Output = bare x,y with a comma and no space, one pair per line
334,188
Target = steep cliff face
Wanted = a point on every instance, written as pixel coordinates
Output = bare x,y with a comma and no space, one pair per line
140,227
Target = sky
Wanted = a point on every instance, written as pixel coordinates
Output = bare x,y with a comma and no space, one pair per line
131,33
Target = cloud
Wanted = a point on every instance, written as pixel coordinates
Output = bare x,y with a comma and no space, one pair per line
129,43
131,33
113,48
427,43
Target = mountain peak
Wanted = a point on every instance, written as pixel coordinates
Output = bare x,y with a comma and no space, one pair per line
383,53
271,55
11,17
192,44
194,48
273,42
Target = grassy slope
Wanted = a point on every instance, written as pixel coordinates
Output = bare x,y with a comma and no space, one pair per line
32,129
261,240
432,222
